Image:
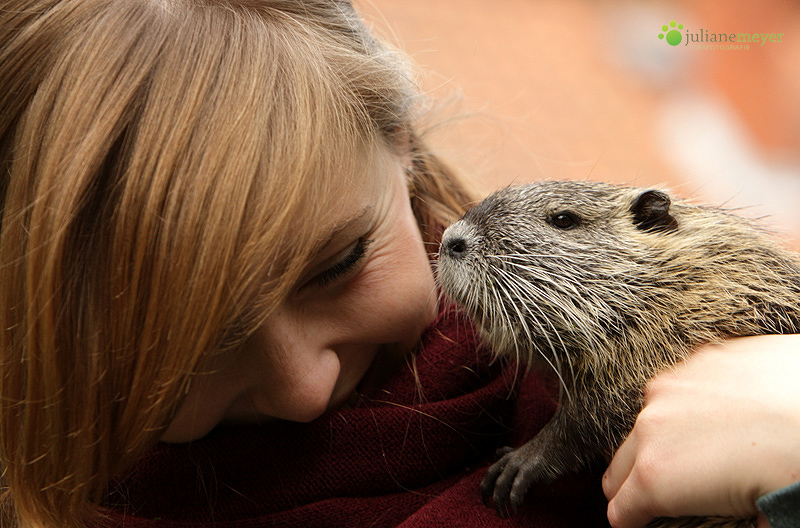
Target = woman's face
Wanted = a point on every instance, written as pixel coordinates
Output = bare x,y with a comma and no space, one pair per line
361,305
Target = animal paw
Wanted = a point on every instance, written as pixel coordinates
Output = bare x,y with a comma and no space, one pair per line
507,482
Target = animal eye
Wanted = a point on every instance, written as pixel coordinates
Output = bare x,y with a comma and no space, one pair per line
563,220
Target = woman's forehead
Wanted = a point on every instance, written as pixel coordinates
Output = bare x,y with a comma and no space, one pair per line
341,201
359,188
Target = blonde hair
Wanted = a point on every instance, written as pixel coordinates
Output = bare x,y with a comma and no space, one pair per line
152,156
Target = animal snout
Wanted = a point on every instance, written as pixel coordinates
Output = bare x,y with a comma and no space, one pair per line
454,247
457,241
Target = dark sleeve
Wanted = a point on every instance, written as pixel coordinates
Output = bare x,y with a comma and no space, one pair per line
782,507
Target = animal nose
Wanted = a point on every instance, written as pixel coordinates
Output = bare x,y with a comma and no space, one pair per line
455,247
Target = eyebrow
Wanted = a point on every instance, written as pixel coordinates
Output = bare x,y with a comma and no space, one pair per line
327,237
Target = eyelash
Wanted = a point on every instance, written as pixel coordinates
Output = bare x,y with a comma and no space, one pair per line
344,266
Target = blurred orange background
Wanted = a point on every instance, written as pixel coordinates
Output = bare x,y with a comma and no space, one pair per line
552,89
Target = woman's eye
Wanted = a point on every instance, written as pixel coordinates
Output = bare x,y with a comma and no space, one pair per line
343,267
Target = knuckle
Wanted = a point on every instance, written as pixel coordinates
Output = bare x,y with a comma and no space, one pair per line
647,474
649,422
659,384
615,516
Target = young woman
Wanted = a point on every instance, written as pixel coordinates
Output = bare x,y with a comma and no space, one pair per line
214,277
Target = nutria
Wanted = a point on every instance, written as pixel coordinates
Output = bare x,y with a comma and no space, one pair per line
607,285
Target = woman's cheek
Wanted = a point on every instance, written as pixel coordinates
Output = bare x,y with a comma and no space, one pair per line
405,294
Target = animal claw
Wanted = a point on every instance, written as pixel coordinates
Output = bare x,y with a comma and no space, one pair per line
489,480
507,482
501,452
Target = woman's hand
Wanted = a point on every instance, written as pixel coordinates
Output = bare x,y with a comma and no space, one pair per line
715,434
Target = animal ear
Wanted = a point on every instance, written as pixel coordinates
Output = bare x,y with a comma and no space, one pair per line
651,212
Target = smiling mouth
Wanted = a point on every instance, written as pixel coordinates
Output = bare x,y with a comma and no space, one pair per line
369,382
386,362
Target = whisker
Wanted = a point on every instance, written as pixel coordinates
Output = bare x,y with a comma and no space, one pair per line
521,291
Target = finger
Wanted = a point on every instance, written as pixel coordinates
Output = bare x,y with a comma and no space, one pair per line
619,486
623,512
630,507
619,468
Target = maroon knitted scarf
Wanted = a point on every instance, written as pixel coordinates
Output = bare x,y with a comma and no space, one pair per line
412,456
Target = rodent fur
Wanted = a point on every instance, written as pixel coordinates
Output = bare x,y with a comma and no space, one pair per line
608,285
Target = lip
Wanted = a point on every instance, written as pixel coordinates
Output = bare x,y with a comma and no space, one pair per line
386,362
365,388
352,398
371,379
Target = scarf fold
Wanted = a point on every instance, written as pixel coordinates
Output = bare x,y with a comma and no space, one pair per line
412,456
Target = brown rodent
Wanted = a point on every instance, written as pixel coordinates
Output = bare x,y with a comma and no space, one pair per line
607,285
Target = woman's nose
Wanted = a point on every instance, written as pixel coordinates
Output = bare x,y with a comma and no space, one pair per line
302,370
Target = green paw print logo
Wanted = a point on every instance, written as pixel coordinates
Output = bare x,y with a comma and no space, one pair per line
673,36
